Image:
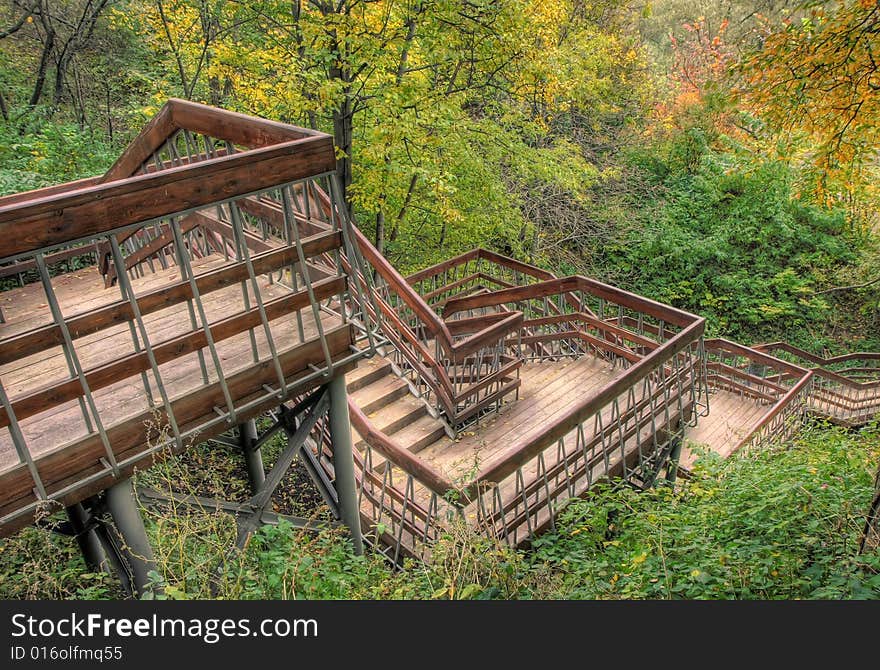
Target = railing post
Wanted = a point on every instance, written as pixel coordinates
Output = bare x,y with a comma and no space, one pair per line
672,463
343,461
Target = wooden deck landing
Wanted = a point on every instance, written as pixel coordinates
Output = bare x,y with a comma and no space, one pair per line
26,308
548,389
731,418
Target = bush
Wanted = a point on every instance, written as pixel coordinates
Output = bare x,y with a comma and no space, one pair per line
779,523
729,240
47,152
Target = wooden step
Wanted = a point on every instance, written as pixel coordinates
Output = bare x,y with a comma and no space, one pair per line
368,371
421,433
379,394
399,414
414,437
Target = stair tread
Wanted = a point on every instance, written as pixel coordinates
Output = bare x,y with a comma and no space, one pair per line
420,433
398,415
379,394
368,371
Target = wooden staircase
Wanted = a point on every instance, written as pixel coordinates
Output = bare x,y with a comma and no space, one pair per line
392,408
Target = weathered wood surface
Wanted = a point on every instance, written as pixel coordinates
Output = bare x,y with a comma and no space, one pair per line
732,417
93,210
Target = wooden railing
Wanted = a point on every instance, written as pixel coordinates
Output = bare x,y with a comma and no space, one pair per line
465,369
105,438
845,389
764,379
477,271
627,429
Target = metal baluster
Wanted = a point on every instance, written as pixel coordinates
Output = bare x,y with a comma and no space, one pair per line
73,361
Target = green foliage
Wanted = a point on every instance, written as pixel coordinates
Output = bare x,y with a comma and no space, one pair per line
47,152
38,564
726,237
781,522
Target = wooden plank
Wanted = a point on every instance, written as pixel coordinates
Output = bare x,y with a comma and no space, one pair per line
246,130
44,337
567,285
527,450
151,248
254,242
181,375
398,455
147,142
164,352
51,259
547,388
129,436
99,209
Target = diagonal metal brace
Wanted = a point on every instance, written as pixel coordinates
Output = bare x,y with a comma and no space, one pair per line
319,404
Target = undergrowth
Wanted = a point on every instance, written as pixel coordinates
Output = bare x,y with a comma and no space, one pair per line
778,523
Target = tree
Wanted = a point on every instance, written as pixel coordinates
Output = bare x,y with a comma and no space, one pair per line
821,76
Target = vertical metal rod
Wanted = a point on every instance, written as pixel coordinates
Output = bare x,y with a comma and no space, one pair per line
186,273
128,521
59,319
237,227
73,360
206,326
289,217
127,290
253,458
343,461
24,454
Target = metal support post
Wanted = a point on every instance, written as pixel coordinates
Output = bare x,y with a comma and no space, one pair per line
253,456
136,546
343,461
88,540
672,463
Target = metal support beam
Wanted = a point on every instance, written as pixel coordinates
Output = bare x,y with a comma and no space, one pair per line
87,538
136,546
343,461
253,455
672,463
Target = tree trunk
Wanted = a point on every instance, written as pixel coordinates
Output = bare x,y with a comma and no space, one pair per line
871,535
342,135
380,232
40,80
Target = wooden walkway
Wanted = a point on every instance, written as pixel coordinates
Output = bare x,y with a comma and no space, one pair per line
730,420
500,391
548,390
90,359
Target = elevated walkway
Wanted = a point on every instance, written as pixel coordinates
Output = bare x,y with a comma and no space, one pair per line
220,280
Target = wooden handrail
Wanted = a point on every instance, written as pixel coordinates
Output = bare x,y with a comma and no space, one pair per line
49,218
842,358
755,354
474,254
402,458
398,284
487,335
779,407
566,285
509,461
